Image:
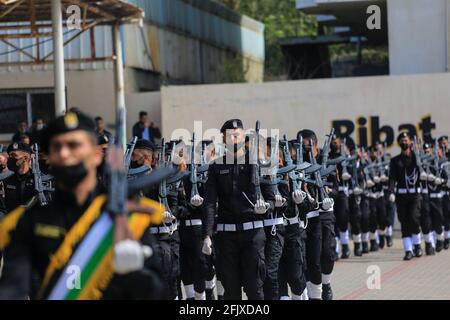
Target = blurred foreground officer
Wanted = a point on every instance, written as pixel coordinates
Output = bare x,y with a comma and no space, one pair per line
43,244
404,189
240,236
18,188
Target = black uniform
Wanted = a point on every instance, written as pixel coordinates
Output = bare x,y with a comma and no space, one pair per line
404,181
18,189
39,233
240,240
193,263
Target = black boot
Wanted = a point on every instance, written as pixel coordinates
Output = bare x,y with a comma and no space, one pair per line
446,244
373,245
357,249
210,294
408,256
417,251
381,244
327,293
429,250
389,241
345,251
439,245
220,297
188,299
365,247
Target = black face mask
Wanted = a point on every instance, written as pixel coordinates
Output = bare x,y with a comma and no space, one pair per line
13,164
69,176
135,164
404,146
334,148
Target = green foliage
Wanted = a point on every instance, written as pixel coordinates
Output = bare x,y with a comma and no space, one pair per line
281,19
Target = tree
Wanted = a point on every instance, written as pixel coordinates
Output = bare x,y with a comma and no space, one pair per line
281,19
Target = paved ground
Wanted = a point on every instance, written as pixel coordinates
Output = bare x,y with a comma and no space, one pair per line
427,277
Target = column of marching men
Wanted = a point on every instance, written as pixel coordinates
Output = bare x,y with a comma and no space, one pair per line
264,217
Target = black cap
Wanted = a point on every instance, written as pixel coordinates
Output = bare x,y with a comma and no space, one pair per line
19,146
145,145
306,134
403,135
232,124
103,139
442,138
71,121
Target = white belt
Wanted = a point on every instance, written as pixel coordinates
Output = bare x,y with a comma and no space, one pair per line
341,188
424,191
289,221
193,222
376,195
225,227
406,191
313,214
273,222
161,230
436,195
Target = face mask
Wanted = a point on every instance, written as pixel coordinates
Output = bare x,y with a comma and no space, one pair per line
333,147
40,126
404,146
69,176
135,164
13,164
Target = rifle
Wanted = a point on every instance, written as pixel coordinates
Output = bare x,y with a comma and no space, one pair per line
38,186
318,175
194,189
418,156
289,162
129,153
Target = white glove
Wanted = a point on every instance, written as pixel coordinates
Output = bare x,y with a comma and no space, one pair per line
423,176
376,179
431,177
357,191
129,256
279,201
196,200
384,178
168,217
392,197
370,183
346,176
261,207
298,196
438,181
327,204
207,249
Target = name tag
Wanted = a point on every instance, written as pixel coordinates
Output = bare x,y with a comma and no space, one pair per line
49,231
8,186
224,171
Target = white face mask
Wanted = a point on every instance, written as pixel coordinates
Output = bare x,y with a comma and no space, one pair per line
40,126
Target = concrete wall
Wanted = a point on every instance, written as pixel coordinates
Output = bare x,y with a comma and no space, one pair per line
290,106
418,36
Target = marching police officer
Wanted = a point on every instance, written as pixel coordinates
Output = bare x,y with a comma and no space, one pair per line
240,240
40,242
444,146
18,188
404,187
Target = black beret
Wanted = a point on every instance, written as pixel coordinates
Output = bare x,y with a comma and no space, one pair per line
427,146
442,138
71,121
306,134
144,144
103,139
19,146
402,135
232,124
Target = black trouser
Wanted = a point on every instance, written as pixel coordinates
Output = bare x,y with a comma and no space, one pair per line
408,210
320,246
241,260
378,218
166,261
390,210
293,263
355,213
365,214
436,215
341,211
273,250
425,220
192,260
446,212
